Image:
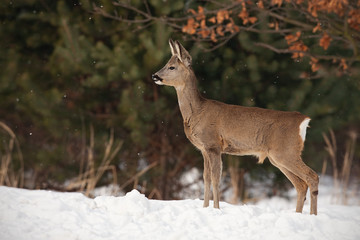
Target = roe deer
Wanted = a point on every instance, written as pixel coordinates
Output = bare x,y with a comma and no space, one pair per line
215,128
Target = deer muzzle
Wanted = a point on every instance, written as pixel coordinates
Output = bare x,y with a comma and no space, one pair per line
157,79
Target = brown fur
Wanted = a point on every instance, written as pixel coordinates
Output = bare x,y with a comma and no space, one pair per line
216,128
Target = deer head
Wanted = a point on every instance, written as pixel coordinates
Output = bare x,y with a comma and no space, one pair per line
175,72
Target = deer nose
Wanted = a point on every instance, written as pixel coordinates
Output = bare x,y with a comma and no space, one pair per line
155,77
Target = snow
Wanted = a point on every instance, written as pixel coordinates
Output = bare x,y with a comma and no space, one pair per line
39,214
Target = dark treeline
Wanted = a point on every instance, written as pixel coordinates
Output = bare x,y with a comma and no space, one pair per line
69,78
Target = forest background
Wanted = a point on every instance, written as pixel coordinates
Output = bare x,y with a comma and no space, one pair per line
78,108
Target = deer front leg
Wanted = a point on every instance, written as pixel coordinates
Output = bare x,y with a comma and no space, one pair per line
215,170
207,179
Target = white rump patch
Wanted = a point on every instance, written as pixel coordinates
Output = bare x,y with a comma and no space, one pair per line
302,128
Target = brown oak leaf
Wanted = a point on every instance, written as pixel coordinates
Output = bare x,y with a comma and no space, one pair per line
325,41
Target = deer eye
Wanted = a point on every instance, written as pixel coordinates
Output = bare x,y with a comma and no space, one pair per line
171,68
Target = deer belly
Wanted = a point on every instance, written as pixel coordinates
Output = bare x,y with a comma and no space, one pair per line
232,147
240,149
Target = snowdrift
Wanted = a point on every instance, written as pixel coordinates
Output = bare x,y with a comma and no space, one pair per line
38,214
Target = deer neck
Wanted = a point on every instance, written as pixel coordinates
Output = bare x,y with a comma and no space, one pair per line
189,98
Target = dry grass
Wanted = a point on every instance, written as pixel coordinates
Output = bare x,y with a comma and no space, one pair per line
331,148
11,173
90,173
236,180
341,175
135,178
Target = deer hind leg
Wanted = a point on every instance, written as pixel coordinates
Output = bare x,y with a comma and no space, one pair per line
309,176
311,179
300,186
215,173
207,179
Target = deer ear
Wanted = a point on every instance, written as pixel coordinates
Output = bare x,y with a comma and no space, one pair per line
184,56
172,47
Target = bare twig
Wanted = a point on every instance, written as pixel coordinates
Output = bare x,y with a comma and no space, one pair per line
139,174
8,175
346,170
323,57
155,192
331,148
288,20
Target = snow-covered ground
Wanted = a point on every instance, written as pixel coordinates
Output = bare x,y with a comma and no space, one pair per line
38,214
